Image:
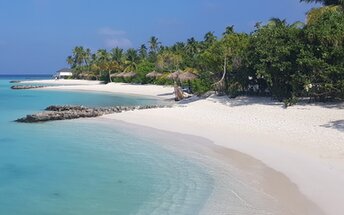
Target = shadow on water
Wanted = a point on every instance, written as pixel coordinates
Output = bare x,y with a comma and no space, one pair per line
338,124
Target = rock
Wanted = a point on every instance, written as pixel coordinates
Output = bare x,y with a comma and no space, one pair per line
25,87
15,81
63,112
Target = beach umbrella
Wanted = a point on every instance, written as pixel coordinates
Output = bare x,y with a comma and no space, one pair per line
154,74
187,76
129,74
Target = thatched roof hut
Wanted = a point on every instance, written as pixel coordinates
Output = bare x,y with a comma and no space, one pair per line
154,74
187,76
175,75
129,74
118,75
182,76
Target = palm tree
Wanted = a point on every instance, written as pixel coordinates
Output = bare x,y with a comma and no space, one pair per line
70,61
275,22
154,44
87,56
179,47
229,30
78,55
117,54
192,47
102,59
131,62
143,52
209,38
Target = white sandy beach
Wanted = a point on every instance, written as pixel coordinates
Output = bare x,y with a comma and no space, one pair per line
304,142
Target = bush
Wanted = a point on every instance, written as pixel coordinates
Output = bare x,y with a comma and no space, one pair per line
200,86
290,102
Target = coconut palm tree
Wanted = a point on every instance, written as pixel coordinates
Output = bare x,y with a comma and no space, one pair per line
117,54
209,39
143,52
179,47
102,58
154,44
192,46
70,61
132,59
229,30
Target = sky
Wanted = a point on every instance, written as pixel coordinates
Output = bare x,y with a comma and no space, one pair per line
36,36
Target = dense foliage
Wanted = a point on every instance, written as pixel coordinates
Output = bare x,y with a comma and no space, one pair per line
285,61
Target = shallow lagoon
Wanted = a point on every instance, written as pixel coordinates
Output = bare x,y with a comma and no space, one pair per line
70,167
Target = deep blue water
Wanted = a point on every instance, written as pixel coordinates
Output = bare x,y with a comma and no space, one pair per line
73,167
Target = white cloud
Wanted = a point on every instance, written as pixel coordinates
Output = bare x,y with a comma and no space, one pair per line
106,31
114,38
118,42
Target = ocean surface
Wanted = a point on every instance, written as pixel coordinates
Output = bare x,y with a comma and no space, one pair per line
77,168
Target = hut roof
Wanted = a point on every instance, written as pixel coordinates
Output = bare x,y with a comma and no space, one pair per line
129,74
187,76
64,70
118,75
154,74
175,75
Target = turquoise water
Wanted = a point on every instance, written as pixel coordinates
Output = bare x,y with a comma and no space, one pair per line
72,168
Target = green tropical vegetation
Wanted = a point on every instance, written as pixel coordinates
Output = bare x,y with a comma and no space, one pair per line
283,60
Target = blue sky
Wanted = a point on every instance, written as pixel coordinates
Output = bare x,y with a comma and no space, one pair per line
37,35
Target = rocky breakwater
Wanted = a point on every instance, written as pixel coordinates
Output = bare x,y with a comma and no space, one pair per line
64,112
26,87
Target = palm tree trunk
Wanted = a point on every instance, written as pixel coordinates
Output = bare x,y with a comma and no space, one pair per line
110,77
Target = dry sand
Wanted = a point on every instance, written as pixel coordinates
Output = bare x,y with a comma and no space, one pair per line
304,142
163,92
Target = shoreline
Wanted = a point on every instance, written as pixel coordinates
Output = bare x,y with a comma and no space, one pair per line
242,184
303,142
153,91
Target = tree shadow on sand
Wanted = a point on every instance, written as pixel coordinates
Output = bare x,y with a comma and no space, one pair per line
338,124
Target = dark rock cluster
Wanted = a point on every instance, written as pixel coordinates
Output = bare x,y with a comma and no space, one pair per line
57,112
25,87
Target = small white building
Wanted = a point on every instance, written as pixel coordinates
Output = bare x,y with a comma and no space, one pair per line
63,73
